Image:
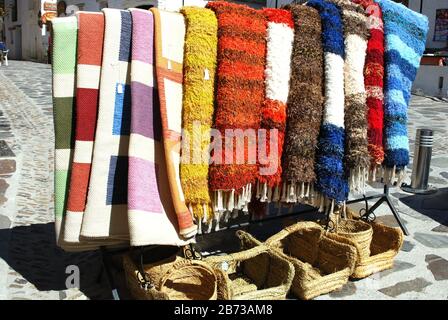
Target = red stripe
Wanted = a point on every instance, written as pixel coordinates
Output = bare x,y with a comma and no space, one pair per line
87,104
78,187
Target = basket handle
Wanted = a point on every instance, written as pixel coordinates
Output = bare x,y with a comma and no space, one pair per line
242,235
239,256
291,229
183,264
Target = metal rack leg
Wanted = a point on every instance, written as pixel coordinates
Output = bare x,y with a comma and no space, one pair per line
386,198
397,216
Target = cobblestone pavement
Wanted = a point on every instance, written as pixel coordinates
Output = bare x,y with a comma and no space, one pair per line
32,267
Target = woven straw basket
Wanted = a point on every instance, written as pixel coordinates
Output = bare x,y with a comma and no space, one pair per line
321,264
175,278
359,232
254,274
385,245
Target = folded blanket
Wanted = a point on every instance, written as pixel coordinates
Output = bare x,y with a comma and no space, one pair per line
201,43
405,37
305,104
240,96
63,67
356,33
279,37
90,52
373,81
169,46
331,179
105,216
152,219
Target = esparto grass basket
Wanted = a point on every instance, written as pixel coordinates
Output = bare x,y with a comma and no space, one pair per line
175,278
384,247
321,264
255,273
359,232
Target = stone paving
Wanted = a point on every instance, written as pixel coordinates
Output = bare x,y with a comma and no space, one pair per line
32,267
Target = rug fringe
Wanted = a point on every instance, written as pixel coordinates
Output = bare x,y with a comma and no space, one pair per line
276,196
226,202
284,197
393,175
358,179
269,194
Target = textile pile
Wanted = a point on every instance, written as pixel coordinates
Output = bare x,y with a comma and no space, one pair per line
167,124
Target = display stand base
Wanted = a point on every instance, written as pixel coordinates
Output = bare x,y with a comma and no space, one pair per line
385,197
409,189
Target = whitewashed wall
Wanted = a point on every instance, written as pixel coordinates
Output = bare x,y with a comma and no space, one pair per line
429,8
428,80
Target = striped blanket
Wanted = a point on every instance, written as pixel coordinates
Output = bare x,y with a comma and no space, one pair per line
152,219
240,96
356,33
169,47
105,216
63,67
331,181
279,38
373,80
90,51
405,37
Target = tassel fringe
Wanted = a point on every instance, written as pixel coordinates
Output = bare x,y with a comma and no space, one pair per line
358,180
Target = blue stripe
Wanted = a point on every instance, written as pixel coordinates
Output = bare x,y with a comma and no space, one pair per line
397,142
395,128
405,38
396,157
331,177
125,37
408,53
332,27
407,70
122,112
396,85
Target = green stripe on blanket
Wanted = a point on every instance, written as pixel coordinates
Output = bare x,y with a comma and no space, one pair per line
64,67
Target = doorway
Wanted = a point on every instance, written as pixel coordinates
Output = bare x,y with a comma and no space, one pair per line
18,43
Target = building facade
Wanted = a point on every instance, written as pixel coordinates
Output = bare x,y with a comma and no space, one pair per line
22,33
429,8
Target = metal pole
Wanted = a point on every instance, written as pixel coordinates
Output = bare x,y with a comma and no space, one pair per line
422,161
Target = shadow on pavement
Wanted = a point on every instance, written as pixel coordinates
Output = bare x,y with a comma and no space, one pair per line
31,251
434,205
